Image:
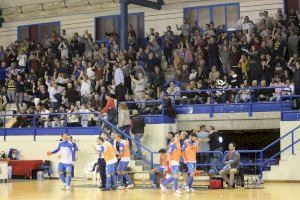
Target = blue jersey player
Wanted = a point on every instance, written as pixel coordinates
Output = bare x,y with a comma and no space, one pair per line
67,160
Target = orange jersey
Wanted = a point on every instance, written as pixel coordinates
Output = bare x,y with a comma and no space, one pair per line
168,170
174,153
108,152
124,147
190,150
163,160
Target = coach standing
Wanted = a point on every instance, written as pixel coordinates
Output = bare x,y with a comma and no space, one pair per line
215,145
137,129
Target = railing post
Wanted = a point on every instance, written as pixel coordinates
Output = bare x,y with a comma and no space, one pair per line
211,114
261,163
34,121
4,126
152,160
35,127
4,121
281,106
250,112
163,105
293,146
99,121
34,136
65,120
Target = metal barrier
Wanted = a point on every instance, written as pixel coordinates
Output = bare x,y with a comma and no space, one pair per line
248,106
264,161
282,103
294,114
221,157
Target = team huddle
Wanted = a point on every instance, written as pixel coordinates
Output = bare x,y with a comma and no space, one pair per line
178,152
178,155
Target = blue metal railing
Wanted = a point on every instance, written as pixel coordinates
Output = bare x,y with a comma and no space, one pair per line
282,103
211,94
264,161
294,114
115,128
141,104
220,160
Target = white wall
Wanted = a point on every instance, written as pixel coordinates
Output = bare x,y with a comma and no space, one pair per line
288,168
285,127
230,121
171,14
36,150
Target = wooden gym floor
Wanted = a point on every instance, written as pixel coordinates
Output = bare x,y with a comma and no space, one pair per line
51,189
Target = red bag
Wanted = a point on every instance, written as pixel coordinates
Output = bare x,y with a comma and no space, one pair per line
216,183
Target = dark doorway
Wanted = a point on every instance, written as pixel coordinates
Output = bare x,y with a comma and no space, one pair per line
291,4
254,140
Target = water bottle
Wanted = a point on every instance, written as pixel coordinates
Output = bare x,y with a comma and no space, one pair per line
250,183
258,183
246,184
144,182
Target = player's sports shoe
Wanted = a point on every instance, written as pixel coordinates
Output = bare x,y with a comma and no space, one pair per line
187,189
192,190
64,186
183,187
121,188
153,185
178,191
130,186
163,188
67,188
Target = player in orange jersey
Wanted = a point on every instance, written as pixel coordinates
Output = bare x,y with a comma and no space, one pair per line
162,169
174,154
124,157
189,152
108,152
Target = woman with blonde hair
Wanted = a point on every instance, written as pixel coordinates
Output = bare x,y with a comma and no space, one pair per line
138,86
124,119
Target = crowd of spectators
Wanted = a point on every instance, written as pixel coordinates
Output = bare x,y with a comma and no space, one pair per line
69,74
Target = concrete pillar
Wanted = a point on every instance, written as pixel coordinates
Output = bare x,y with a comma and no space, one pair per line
124,24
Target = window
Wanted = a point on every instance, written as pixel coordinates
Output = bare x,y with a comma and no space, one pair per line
108,24
37,32
226,15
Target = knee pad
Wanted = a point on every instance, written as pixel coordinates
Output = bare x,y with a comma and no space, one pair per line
108,175
176,176
119,172
60,173
69,173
